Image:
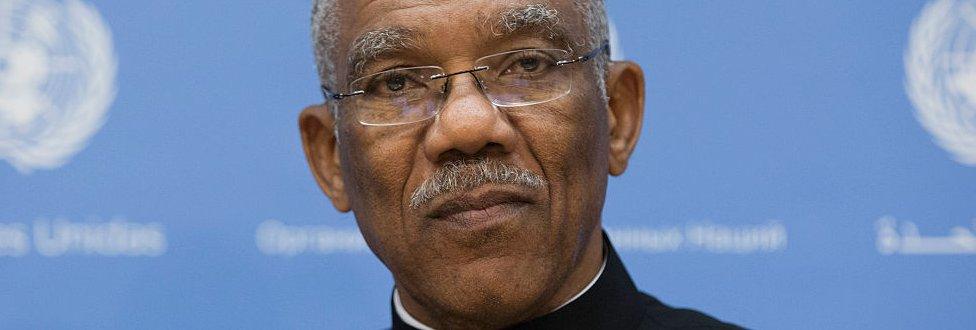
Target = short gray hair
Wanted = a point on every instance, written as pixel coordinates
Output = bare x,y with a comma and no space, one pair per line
325,31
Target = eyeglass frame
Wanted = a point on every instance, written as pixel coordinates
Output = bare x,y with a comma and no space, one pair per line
603,48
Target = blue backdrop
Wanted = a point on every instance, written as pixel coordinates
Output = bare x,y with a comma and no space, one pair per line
784,178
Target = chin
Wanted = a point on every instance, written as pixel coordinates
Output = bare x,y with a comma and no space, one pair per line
504,271
510,288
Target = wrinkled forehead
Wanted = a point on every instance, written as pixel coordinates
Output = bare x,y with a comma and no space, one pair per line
377,28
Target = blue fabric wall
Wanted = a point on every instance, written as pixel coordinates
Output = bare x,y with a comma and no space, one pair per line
784,179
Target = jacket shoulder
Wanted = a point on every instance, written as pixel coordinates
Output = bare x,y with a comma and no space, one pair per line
657,315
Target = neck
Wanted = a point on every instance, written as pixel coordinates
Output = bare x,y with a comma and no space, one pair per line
587,267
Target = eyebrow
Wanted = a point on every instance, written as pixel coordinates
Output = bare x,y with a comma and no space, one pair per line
379,43
531,19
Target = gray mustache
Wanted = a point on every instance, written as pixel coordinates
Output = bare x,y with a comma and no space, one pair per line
463,175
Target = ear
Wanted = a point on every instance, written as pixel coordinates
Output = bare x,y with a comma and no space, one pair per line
322,152
625,88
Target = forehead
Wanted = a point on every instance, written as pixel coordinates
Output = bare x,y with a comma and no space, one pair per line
456,25
425,13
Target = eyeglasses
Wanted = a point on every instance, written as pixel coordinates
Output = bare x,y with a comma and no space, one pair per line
509,79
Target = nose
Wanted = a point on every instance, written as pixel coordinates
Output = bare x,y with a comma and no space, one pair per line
468,124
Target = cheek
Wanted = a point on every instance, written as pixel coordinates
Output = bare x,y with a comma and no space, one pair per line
376,164
570,140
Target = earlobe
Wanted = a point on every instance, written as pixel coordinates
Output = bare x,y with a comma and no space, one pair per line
317,124
625,88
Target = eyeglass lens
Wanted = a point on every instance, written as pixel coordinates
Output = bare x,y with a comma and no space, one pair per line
515,78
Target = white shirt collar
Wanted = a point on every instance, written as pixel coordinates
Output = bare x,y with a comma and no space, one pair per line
409,320
404,315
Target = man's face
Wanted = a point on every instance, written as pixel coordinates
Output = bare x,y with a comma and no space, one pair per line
495,250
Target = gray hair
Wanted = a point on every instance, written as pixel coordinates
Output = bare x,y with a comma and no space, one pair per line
325,30
461,175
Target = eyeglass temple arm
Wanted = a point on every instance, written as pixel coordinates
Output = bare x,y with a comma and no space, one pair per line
604,48
329,95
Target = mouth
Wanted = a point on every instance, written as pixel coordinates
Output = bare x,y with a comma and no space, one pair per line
479,208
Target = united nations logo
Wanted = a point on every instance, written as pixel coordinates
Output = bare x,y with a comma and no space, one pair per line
940,66
57,80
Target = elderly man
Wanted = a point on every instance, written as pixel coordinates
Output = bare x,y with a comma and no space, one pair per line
473,140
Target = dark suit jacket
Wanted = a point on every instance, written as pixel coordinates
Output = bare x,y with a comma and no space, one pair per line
613,302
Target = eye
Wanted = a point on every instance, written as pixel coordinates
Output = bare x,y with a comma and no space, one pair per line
529,64
395,83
